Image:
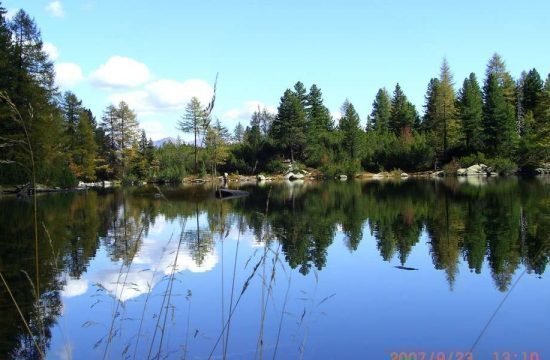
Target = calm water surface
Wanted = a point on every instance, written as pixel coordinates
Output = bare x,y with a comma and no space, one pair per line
324,271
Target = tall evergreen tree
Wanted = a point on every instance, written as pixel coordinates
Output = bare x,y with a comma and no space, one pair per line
238,133
499,125
381,111
127,132
430,105
84,152
288,126
72,109
505,81
31,59
531,91
470,108
253,133
319,128
193,121
216,140
403,114
318,115
441,114
5,52
301,93
29,81
351,131
541,138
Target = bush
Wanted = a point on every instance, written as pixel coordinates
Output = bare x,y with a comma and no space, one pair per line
469,160
275,166
451,168
503,165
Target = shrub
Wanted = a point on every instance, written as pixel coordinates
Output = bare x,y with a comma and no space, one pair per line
451,168
275,166
503,165
469,160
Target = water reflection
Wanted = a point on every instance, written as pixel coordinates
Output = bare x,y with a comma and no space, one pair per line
149,240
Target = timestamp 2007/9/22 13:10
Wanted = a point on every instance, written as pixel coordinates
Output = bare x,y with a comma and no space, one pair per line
462,355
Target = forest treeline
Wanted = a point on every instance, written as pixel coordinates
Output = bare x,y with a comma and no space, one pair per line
501,121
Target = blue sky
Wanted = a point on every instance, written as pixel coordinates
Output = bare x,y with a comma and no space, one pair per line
156,55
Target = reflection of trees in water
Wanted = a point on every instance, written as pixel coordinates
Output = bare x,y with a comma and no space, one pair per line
198,241
127,223
505,224
71,243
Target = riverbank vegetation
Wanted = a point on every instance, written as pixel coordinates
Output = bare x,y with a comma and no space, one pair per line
501,121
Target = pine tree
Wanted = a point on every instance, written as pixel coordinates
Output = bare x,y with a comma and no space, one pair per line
497,66
470,108
29,81
193,121
238,133
531,91
253,133
441,115
31,60
84,153
288,126
351,131
126,132
216,141
430,107
541,126
301,93
71,107
266,119
318,115
381,111
499,126
6,50
403,114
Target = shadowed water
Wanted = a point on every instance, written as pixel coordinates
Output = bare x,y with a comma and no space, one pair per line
315,271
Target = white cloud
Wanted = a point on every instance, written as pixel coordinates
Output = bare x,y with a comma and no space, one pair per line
150,265
51,50
75,287
120,72
156,130
243,114
165,95
10,14
336,115
67,74
55,8
170,94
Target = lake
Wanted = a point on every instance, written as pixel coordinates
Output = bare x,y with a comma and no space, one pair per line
354,270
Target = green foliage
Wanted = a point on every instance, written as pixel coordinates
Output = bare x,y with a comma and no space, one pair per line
472,159
499,125
174,162
381,111
440,119
470,107
403,113
288,126
194,121
451,167
409,152
502,165
506,122
275,167
351,132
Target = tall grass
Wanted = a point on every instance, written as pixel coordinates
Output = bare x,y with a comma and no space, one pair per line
26,145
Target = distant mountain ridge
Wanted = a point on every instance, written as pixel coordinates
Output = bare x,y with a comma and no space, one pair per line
161,142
